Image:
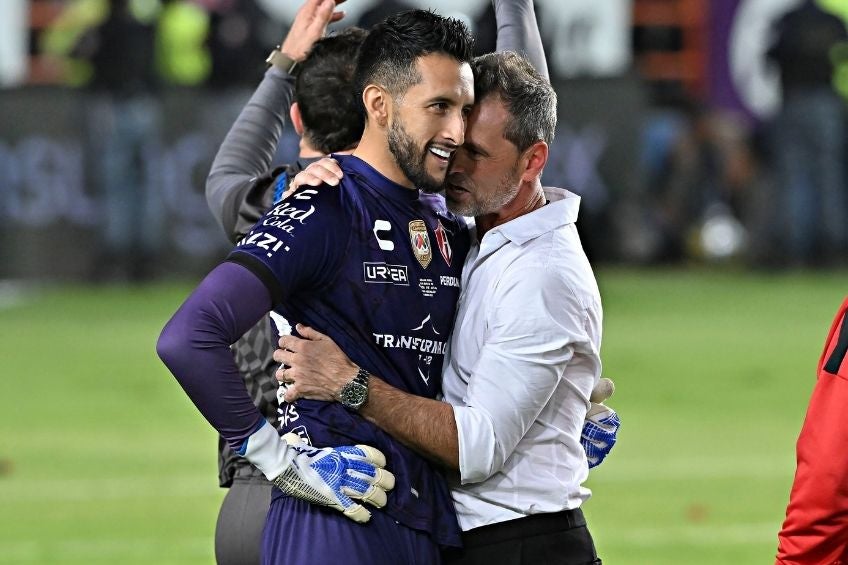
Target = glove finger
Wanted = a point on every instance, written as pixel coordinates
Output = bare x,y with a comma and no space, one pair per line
598,436
608,426
357,513
375,496
606,418
372,455
381,479
384,480
371,494
355,486
611,421
598,411
361,467
594,454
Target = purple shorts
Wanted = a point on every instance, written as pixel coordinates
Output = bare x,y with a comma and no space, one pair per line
303,533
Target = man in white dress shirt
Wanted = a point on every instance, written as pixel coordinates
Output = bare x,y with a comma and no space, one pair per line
524,354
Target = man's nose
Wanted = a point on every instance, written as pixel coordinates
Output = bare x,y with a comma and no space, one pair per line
455,128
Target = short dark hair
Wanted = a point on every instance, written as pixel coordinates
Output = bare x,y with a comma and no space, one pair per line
527,95
389,55
325,91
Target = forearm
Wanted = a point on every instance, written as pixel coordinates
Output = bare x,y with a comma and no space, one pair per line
195,347
518,31
423,424
247,152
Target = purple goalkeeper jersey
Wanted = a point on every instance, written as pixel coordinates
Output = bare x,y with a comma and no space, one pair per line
375,266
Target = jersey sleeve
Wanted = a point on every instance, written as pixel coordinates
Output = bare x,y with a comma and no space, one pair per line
816,525
300,243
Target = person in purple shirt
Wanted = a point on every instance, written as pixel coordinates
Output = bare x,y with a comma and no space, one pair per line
375,265
300,90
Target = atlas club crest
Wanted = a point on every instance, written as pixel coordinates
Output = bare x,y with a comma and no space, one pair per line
420,241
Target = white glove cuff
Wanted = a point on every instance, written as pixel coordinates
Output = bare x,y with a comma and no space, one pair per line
268,452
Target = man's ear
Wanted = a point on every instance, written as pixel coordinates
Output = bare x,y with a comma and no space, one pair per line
296,118
377,104
534,160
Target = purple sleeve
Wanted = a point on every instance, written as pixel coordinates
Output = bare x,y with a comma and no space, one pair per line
195,346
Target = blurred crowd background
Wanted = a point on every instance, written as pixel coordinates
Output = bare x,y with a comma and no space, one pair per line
696,131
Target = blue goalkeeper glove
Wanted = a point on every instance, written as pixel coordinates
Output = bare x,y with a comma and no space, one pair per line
600,428
599,434
333,477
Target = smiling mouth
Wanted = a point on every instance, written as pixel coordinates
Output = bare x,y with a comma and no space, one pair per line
441,153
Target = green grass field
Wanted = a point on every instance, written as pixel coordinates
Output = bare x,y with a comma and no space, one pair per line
104,460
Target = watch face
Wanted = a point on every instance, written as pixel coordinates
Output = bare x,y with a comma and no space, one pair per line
353,394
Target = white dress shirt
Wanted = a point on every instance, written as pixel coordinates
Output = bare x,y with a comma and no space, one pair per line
522,362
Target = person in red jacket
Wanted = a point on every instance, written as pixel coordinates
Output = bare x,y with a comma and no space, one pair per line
816,527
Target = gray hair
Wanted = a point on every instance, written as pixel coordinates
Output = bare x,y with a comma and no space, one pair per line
527,95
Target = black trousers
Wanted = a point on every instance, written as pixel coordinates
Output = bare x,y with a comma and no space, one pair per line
561,538
238,533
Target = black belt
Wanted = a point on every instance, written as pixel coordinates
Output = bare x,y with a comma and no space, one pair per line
532,525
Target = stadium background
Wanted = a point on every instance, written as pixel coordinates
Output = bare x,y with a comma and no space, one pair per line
712,342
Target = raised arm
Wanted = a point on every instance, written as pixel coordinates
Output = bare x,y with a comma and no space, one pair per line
235,190
518,31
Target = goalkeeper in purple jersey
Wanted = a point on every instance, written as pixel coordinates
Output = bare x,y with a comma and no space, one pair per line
302,85
374,265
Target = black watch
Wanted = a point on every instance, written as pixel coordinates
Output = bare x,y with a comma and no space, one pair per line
354,394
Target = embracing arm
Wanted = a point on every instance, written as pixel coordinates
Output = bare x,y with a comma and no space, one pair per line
318,369
530,343
423,424
518,31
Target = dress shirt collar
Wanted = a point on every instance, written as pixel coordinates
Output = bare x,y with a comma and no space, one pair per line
560,210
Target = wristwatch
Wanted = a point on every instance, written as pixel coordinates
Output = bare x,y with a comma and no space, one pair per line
354,394
280,60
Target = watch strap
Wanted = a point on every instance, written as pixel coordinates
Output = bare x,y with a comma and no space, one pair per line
280,60
354,394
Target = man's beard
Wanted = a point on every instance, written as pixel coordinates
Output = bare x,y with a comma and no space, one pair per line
411,160
508,188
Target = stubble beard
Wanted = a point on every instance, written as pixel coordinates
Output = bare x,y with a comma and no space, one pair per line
492,203
411,160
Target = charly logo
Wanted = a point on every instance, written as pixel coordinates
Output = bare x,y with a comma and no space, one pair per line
443,243
420,242
383,226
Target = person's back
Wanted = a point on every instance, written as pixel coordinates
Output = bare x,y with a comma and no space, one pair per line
809,137
123,53
805,37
